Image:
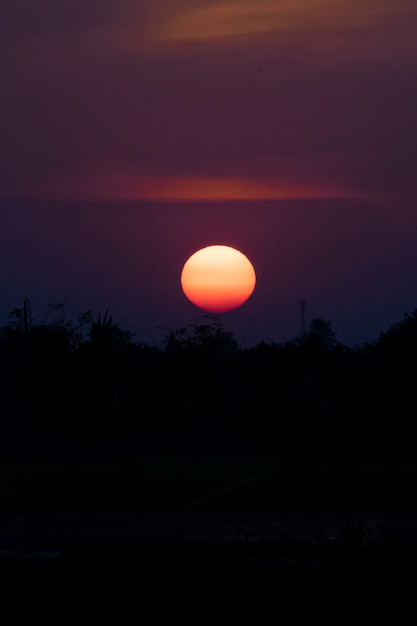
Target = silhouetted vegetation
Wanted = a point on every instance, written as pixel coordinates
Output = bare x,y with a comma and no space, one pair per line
90,381
100,429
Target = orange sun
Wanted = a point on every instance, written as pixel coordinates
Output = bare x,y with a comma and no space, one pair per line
218,279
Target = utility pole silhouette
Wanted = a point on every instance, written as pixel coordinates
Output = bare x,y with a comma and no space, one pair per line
302,309
25,317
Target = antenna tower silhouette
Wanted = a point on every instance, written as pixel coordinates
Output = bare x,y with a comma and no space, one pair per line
302,309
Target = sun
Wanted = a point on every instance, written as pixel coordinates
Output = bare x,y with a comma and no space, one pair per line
218,278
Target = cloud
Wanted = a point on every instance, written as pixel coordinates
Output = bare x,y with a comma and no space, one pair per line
121,186
344,26
227,19
295,95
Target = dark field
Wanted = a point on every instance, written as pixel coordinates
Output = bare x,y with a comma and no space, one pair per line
126,478
206,594
122,537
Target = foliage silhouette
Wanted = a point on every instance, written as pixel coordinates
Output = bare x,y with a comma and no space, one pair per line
103,331
90,381
207,338
322,330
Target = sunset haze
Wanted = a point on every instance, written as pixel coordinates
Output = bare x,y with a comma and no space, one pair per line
134,133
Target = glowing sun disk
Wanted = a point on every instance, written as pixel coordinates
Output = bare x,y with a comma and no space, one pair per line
218,278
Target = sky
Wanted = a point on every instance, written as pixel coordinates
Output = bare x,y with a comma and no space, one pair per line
134,132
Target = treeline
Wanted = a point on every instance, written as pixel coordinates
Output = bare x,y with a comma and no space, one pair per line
90,381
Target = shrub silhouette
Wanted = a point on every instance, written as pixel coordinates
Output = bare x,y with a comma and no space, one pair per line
90,380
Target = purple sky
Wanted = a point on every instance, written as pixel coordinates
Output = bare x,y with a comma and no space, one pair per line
126,124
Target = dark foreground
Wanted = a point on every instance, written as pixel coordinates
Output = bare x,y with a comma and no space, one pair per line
131,539
213,567
205,593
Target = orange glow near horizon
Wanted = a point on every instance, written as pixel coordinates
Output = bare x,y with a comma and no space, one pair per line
126,187
218,279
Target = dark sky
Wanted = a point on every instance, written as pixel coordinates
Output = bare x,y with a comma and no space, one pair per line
126,124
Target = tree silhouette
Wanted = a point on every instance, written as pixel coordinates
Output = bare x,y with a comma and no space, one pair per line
89,381
322,331
21,318
104,332
209,338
